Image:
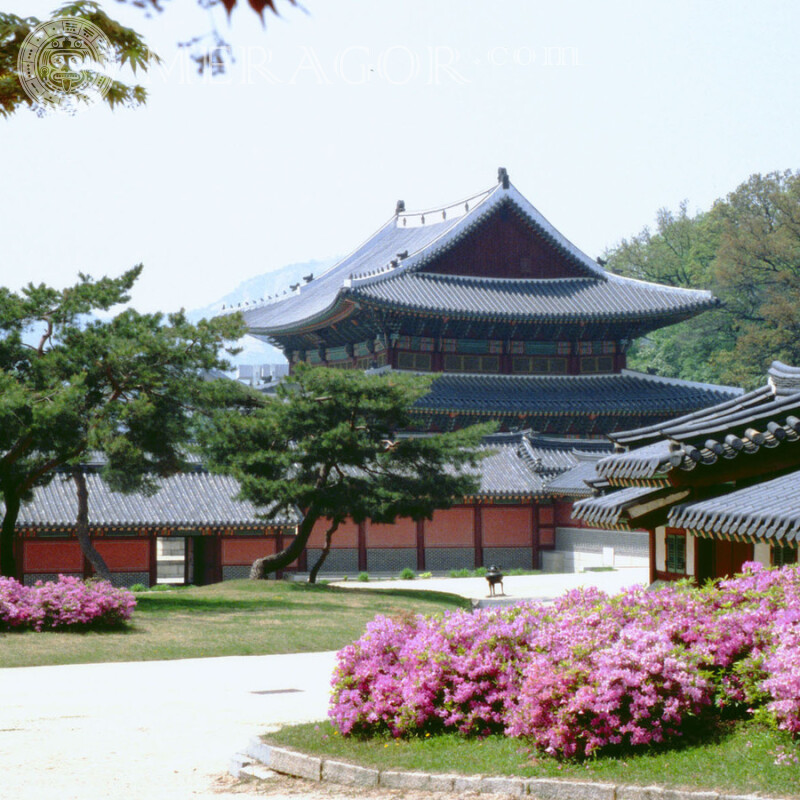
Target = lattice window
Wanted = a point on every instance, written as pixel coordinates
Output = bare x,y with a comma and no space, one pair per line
539,365
460,363
516,348
676,553
564,349
597,364
783,554
416,361
495,346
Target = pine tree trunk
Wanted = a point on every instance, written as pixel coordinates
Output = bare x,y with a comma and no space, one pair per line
82,527
312,576
268,564
8,562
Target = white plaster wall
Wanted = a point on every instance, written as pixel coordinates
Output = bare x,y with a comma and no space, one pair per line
689,554
578,561
661,548
762,554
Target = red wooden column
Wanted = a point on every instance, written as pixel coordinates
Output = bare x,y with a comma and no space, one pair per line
152,558
652,547
362,546
477,530
421,545
534,537
216,545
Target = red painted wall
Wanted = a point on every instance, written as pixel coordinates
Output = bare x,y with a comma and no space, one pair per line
450,528
125,556
403,533
506,526
52,556
246,551
346,534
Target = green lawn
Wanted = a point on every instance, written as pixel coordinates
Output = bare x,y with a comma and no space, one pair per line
231,618
737,758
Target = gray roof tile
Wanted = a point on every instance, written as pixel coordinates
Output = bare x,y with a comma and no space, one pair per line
555,300
187,500
766,417
618,394
607,510
765,511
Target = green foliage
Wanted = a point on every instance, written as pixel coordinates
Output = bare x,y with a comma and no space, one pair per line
363,577
330,443
128,49
745,249
125,387
407,574
460,573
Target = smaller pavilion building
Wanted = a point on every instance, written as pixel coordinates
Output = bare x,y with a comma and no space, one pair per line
192,521
714,489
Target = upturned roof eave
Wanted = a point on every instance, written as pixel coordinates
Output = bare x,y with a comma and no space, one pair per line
340,309
667,315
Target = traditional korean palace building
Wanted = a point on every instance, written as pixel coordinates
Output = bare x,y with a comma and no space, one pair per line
523,328
714,489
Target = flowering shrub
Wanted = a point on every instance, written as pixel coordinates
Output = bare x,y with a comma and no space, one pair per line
588,672
66,603
16,608
410,674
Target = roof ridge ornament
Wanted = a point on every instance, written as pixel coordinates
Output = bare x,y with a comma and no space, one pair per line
502,177
400,207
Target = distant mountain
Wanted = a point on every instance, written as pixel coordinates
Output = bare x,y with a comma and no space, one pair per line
253,290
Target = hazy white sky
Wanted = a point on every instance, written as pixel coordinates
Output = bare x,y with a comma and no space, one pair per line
601,111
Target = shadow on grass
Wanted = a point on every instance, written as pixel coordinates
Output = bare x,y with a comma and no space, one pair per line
417,594
169,603
283,596
125,629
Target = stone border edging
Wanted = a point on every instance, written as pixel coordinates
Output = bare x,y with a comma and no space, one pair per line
313,768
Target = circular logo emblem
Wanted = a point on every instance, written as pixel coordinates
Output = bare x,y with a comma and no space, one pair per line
65,62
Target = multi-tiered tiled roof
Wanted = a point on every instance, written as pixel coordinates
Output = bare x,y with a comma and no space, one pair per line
523,326
419,264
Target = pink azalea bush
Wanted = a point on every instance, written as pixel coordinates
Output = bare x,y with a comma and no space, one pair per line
66,603
586,673
782,664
